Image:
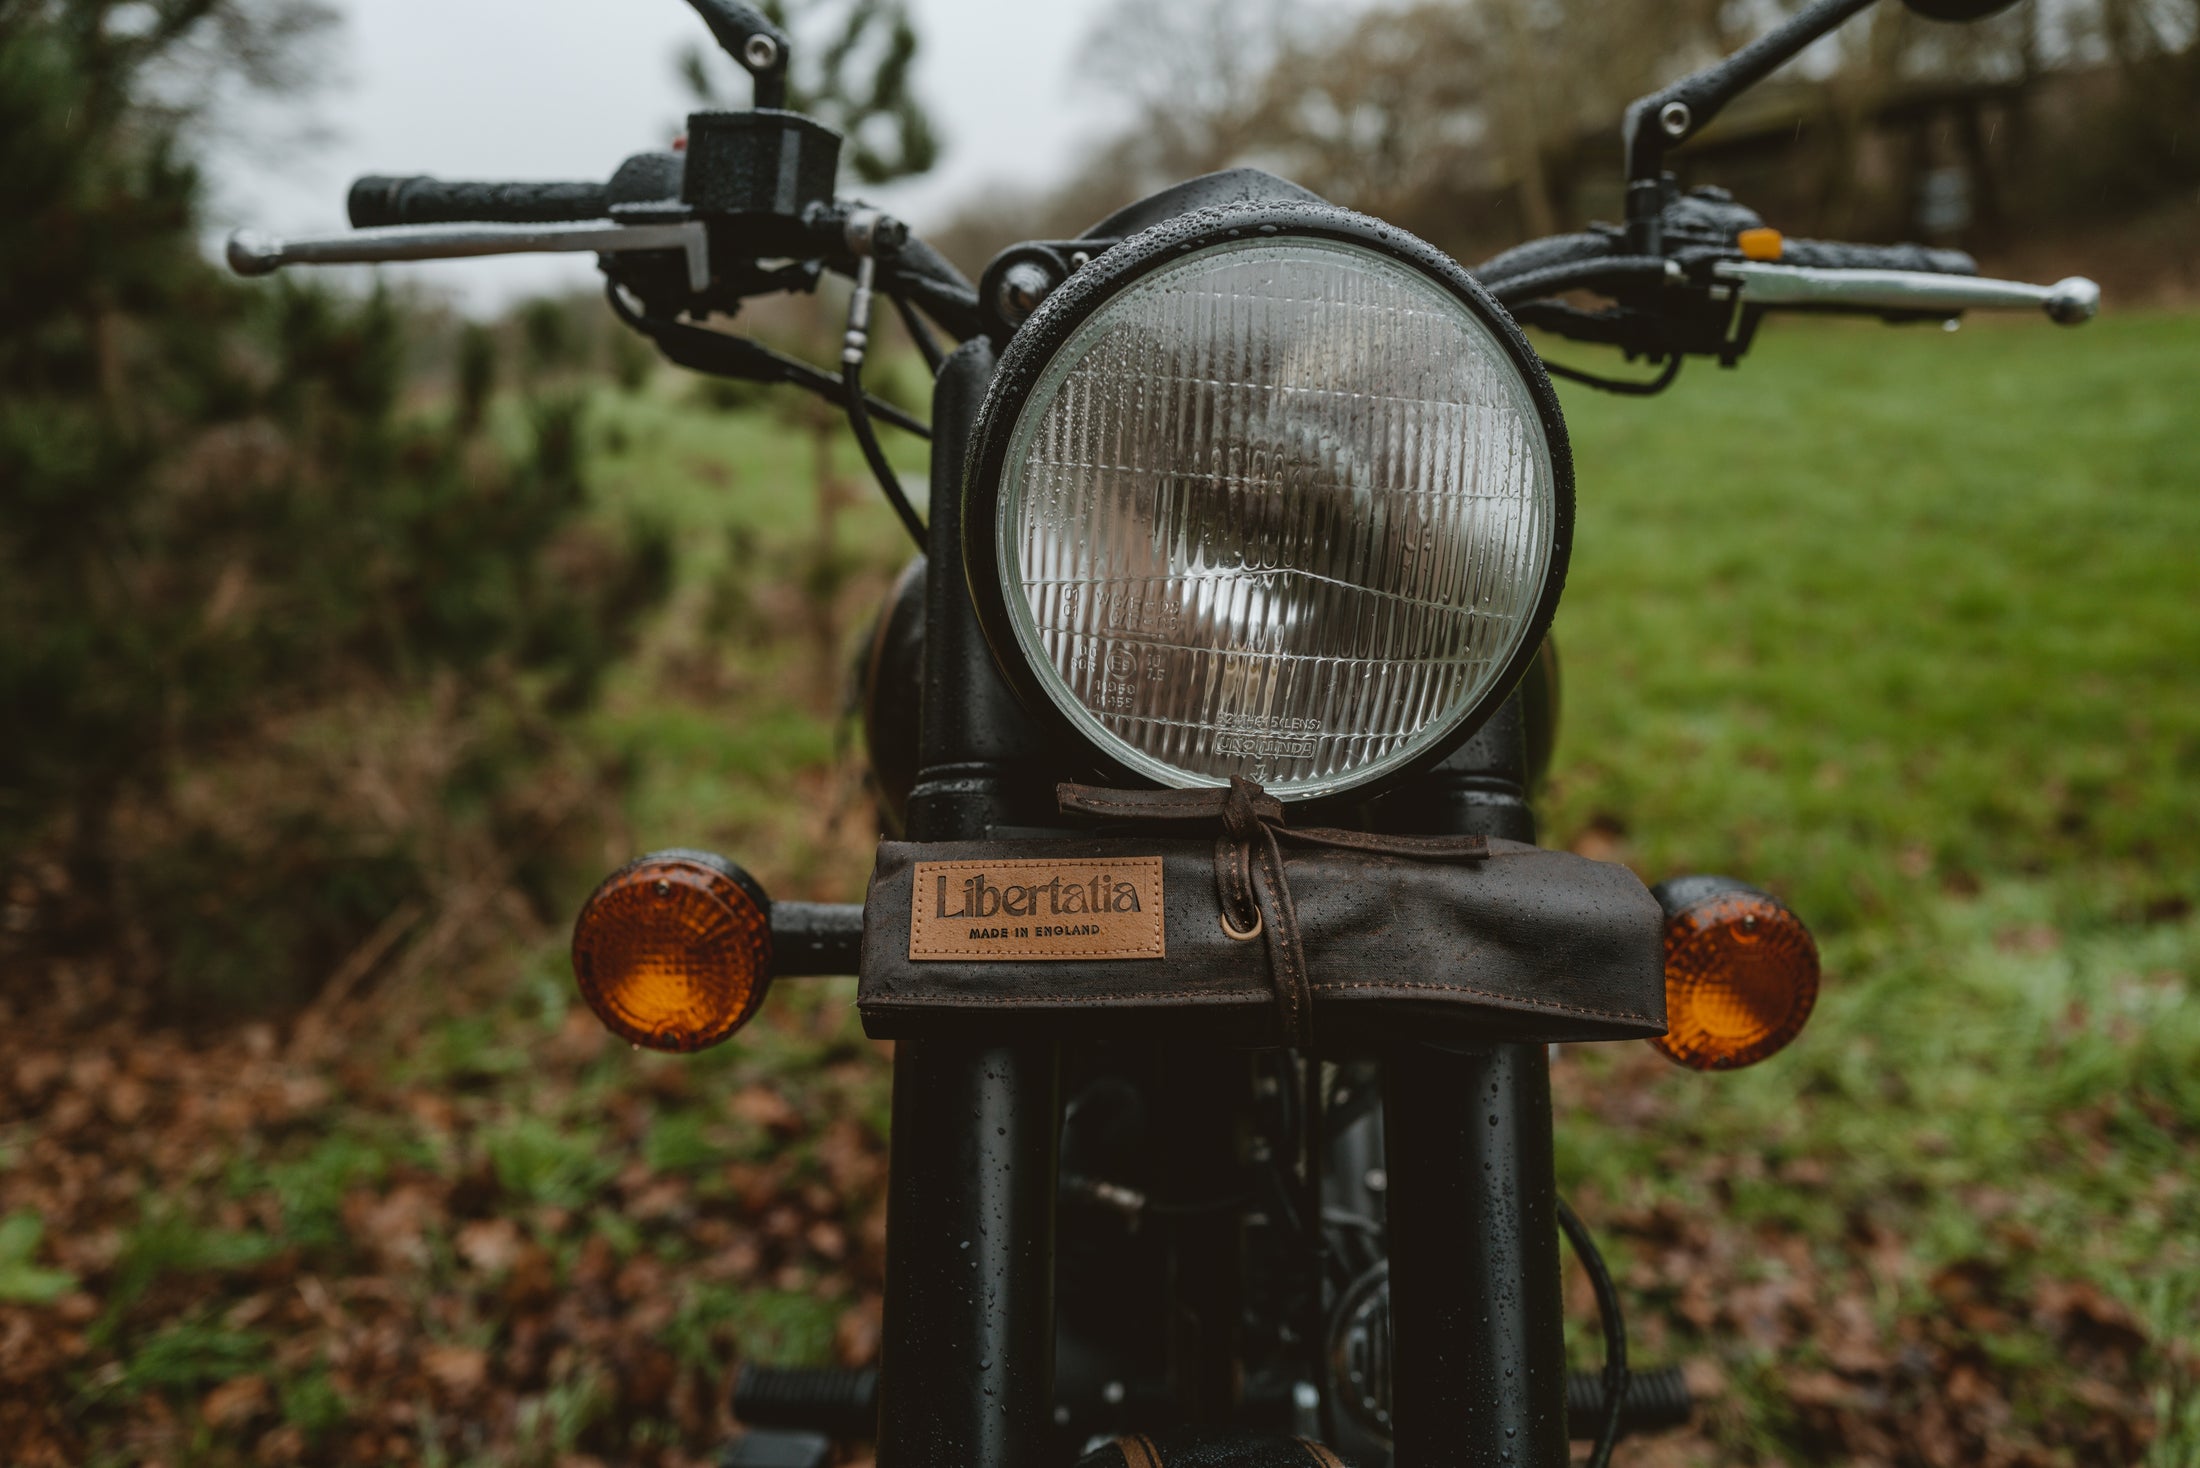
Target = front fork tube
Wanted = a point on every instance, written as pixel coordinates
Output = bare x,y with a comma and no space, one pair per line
967,1363
1476,1315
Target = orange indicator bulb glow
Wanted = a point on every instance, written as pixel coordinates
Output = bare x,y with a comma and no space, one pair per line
674,951
1741,973
1760,244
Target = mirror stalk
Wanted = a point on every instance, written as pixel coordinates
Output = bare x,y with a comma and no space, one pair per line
1674,114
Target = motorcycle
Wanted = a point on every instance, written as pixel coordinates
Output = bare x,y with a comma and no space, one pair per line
1222,965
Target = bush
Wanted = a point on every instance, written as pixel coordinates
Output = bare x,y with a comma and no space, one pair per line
277,659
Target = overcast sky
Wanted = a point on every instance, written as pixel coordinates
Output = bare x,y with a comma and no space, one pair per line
567,88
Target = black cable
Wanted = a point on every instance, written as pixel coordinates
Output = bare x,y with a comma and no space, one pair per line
1615,1331
859,420
1647,388
919,333
723,355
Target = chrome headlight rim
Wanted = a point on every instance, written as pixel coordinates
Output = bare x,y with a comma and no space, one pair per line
1024,362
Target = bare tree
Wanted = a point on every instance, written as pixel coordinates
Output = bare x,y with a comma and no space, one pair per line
1475,122
1408,110
1195,74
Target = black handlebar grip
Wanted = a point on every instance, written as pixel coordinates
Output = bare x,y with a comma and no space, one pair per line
424,200
1835,255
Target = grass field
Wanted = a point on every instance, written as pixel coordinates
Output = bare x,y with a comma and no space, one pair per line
1904,626
1901,625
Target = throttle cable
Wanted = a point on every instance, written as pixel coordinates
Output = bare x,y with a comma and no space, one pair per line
1648,387
722,354
919,333
857,345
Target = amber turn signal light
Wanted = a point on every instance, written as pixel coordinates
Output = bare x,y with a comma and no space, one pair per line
674,951
1761,244
1741,973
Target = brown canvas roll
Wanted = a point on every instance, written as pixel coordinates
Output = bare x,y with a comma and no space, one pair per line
1062,936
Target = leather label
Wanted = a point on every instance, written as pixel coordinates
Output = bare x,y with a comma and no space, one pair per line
1027,911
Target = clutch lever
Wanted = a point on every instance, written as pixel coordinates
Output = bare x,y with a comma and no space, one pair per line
2068,302
255,254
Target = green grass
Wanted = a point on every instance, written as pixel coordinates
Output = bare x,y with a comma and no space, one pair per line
1904,626
1886,611
166,1244
21,1280
783,1327
738,696
562,1164
191,1354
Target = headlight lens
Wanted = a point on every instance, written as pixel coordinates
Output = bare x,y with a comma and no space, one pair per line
1280,507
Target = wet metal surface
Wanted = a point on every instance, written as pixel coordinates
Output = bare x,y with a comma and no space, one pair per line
968,1368
1476,1328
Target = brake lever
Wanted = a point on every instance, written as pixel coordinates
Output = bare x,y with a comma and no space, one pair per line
254,254
2068,302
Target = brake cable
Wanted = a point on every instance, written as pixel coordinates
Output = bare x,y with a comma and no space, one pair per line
856,344
1649,387
1613,1325
1527,288
919,333
722,354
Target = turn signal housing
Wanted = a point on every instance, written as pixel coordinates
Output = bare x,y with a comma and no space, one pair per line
674,951
1741,973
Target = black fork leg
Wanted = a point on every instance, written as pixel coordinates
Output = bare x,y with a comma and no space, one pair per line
969,1351
1477,1329
1475,1312
967,1365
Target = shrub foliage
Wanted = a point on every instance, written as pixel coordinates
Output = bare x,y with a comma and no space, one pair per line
279,657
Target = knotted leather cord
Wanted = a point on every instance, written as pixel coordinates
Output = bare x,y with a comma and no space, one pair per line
1249,867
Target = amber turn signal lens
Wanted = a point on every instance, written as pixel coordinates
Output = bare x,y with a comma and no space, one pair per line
1741,973
674,951
1760,244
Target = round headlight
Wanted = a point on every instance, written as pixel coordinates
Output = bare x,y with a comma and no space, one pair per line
1276,492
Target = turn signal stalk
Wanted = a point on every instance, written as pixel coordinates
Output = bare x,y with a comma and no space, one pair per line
1741,973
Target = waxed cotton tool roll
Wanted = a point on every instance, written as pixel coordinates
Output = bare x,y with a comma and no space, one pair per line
1116,934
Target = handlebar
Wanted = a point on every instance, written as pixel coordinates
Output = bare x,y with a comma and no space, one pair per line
1719,270
420,199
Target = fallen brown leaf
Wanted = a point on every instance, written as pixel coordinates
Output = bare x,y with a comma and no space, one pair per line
491,1245
766,1108
459,1369
234,1403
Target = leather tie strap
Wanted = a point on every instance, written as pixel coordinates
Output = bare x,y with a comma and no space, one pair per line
1249,878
